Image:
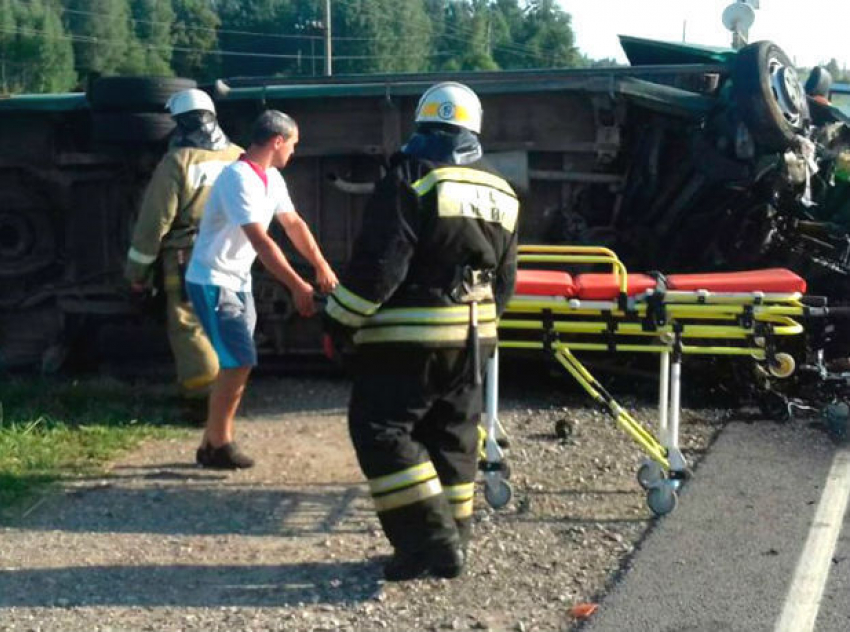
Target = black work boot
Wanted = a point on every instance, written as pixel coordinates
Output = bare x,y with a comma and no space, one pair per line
445,561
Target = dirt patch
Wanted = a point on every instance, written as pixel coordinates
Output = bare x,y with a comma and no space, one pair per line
293,544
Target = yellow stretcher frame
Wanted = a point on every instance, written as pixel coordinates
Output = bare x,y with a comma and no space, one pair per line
685,323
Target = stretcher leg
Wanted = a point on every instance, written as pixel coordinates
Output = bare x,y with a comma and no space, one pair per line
650,472
660,488
497,491
678,466
663,395
674,455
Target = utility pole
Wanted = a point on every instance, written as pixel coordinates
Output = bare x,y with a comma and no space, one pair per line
328,53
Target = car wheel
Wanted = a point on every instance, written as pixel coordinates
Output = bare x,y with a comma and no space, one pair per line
135,94
769,96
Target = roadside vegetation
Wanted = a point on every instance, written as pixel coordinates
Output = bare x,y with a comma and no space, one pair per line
52,430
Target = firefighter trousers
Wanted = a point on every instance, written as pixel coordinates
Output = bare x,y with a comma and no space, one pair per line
194,357
413,419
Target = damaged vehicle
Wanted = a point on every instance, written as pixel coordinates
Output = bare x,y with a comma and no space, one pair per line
689,159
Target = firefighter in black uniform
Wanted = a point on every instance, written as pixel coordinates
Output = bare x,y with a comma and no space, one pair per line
431,271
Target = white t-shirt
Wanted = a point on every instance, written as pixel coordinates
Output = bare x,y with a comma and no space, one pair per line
223,255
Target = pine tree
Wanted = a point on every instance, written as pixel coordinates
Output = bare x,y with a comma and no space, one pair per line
104,40
36,52
389,36
194,35
547,32
55,58
266,51
153,21
8,62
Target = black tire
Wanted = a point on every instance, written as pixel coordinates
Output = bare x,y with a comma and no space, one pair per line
768,95
135,94
131,127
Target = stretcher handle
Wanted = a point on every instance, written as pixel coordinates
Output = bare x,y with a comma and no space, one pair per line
618,267
566,250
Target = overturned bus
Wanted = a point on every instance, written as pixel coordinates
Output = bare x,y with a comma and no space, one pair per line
689,159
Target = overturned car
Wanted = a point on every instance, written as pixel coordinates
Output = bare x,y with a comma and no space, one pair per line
690,159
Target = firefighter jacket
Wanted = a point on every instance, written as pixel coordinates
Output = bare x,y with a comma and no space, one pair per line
425,222
173,204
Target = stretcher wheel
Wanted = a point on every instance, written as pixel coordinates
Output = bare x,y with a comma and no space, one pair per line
563,429
649,473
782,365
661,499
500,496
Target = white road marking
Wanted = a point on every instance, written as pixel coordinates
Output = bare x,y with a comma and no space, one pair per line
803,600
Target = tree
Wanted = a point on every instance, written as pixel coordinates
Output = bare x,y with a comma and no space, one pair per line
493,34
104,39
382,36
264,43
152,24
548,36
194,36
8,62
36,52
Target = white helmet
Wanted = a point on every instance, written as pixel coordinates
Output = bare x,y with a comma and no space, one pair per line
189,100
450,102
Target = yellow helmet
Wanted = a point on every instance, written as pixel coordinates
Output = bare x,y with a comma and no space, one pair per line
450,102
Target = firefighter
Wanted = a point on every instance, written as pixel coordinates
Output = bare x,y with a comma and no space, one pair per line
165,232
431,270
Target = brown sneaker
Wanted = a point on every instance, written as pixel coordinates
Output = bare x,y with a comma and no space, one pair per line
202,455
226,457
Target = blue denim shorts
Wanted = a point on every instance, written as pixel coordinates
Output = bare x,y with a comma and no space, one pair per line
228,318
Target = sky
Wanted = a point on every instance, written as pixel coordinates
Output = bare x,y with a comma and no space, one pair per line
809,31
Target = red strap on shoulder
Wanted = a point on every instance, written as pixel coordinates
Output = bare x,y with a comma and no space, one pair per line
257,169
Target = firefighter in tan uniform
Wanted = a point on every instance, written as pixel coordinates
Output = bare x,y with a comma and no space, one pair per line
165,232
431,270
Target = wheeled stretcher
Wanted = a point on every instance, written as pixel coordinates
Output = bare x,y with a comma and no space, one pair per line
559,313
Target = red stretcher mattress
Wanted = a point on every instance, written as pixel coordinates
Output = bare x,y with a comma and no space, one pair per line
593,286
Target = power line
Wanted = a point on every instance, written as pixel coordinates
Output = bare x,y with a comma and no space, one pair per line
462,34
456,33
87,39
452,32
197,28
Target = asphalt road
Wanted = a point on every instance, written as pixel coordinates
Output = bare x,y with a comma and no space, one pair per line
728,556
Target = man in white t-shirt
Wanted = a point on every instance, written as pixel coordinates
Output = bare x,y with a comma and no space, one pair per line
232,233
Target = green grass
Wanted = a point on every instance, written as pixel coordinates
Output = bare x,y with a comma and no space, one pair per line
52,430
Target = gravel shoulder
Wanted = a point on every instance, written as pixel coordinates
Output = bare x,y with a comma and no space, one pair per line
293,544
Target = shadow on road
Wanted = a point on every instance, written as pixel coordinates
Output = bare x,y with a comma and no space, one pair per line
207,510
175,585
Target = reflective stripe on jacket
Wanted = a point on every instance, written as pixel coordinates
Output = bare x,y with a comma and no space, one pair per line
423,223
